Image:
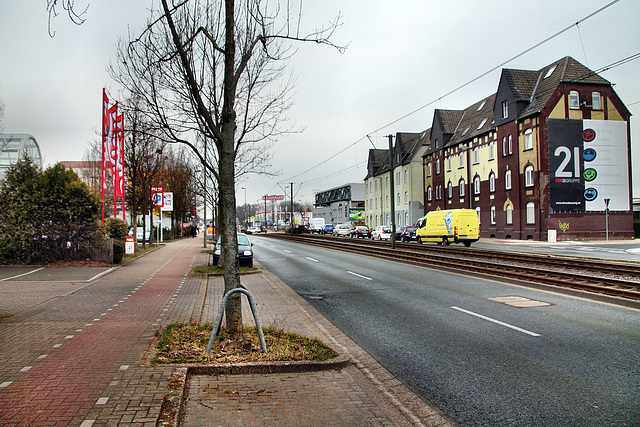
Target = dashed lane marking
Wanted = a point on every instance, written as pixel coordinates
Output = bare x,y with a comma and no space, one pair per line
498,322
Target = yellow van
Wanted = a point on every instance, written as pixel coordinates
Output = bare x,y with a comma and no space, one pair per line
449,226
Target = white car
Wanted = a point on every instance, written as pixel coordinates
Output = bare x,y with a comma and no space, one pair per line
342,230
253,230
382,232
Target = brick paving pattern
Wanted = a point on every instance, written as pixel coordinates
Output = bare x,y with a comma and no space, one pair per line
75,354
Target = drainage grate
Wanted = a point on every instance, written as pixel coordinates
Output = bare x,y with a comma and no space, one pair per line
521,302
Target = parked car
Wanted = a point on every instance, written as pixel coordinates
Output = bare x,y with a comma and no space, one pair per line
245,251
381,232
328,229
342,230
406,233
253,230
361,231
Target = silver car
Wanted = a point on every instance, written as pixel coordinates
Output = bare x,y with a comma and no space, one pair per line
342,230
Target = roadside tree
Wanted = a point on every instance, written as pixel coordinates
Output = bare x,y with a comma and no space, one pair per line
216,69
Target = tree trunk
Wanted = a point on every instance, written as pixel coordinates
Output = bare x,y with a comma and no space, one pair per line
226,185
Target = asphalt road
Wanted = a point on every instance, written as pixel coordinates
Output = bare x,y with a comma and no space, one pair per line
568,361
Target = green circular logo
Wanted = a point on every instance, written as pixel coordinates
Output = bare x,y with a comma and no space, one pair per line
590,174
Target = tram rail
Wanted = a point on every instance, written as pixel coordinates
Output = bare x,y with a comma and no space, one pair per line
616,279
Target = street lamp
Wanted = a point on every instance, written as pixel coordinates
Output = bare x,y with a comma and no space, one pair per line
245,206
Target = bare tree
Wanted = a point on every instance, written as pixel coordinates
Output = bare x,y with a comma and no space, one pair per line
67,6
216,68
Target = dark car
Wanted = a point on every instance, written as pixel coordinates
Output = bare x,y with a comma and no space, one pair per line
361,231
406,233
245,251
328,229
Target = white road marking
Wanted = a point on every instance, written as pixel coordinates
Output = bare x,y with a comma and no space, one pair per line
311,259
287,251
515,328
359,275
23,274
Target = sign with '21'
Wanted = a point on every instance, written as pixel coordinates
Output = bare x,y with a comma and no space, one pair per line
588,162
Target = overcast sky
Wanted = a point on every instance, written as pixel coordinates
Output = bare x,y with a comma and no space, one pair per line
402,55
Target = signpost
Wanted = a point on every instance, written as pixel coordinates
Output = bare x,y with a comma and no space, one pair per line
130,245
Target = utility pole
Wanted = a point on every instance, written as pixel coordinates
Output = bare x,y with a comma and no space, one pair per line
265,213
291,221
393,190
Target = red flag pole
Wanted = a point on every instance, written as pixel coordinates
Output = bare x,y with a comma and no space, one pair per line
105,121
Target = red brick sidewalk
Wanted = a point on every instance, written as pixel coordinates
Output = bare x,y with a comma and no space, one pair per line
63,387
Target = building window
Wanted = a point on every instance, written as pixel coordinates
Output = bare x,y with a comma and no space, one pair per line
406,218
399,200
476,155
375,184
429,169
437,166
437,144
528,139
509,214
387,180
387,201
461,164
478,211
531,213
376,203
406,197
509,145
482,124
461,185
448,163
429,194
504,146
406,176
574,100
450,190
492,182
507,180
438,192
476,185
528,176
398,178
492,150
505,109
596,101
493,215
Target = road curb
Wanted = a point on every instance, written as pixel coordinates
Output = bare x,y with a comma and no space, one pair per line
173,404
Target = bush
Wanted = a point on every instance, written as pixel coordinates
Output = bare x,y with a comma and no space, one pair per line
115,228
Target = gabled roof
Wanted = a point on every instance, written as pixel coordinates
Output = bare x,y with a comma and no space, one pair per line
377,163
416,146
448,119
477,119
405,143
565,70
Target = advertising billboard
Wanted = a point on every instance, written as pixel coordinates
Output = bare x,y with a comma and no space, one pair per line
588,163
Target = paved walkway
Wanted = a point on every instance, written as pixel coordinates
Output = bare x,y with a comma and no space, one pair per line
77,354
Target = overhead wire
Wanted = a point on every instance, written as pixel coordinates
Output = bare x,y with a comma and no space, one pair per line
457,88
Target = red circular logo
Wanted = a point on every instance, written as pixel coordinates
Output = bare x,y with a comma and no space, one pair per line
588,135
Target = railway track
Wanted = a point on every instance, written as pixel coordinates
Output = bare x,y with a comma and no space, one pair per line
620,280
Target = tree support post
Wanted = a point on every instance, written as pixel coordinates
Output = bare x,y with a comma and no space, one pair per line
216,326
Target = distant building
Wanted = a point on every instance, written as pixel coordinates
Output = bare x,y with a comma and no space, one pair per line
88,171
341,204
14,147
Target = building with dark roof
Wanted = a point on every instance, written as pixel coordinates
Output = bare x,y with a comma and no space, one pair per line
407,192
542,158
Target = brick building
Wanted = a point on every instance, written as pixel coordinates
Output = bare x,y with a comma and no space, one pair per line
541,158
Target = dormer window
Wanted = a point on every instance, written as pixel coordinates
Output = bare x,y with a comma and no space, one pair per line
482,123
505,109
482,105
551,70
